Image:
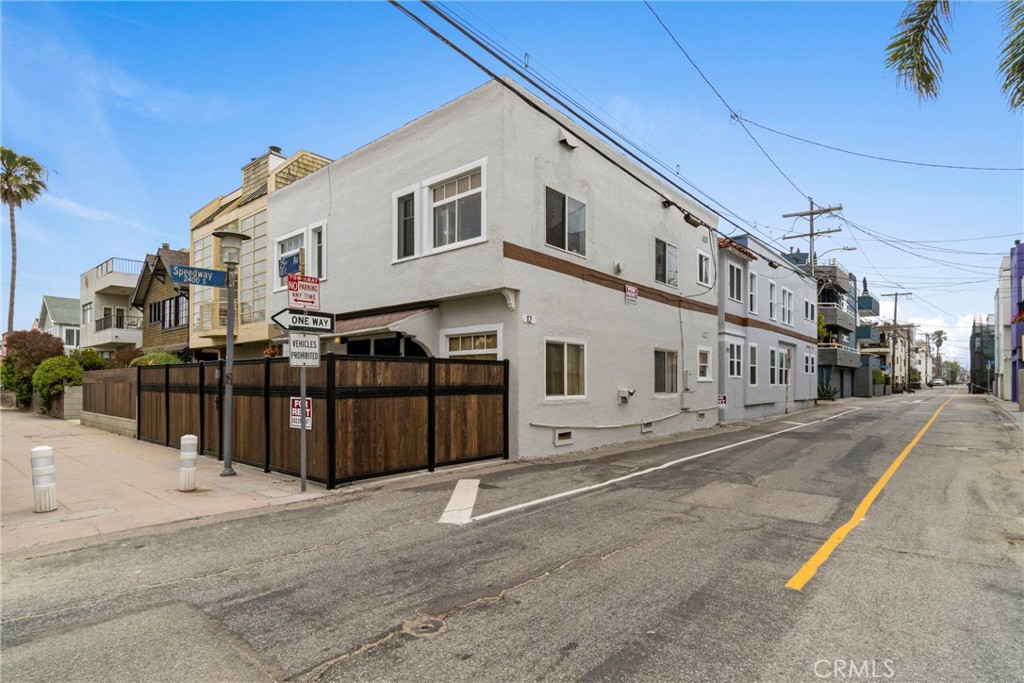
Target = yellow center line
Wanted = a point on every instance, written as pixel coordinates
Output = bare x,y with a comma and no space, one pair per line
810,567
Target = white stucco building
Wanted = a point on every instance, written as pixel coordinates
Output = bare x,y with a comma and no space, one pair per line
768,327
493,227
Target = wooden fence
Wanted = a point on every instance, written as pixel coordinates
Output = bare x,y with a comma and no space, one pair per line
371,416
110,392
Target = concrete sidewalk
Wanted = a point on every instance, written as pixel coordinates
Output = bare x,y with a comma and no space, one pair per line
108,483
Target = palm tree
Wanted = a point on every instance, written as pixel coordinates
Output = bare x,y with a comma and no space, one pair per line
938,336
921,35
22,179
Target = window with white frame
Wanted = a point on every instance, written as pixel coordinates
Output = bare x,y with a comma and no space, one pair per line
773,366
666,263
475,346
666,372
752,365
173,312
71,337
564,369
735,360
703,268
752,293
809,313
87,313
809,362
289,246
318,264
785,361
457,208
566,222
735,282
787,307
772,304
405,228
704,364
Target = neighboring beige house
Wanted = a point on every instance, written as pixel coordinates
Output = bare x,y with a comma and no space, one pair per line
162,303
244,210
108,323
60,316
495,228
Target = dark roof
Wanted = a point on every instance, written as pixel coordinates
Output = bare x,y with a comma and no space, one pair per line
169,257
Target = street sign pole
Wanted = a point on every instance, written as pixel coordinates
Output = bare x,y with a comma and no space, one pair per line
302,428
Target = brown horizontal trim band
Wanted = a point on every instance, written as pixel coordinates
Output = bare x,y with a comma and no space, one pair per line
748,322
558,265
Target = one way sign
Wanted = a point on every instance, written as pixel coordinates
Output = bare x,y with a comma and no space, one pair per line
303,321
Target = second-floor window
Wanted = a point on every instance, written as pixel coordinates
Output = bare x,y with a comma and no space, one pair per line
457,209
71,337
566,222
666,263
787,307
86,313
735,283
406,228
809,310
772,303
703,268
752,293
173,312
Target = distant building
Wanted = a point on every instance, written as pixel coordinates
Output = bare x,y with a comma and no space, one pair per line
982,347
61,317
105,297
163,304
1004,311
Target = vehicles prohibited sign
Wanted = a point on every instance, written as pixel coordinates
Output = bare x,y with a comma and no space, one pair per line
296,413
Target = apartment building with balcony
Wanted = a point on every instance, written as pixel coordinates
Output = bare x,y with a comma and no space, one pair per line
243,210
891,346
495,228
108,321
767,331
60,316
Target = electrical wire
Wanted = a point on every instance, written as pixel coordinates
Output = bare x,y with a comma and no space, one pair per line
872,156
732,112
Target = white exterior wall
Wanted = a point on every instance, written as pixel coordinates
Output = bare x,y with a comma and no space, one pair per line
743,399
1004,343
520,155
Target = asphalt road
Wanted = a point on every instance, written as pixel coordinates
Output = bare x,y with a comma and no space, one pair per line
675,574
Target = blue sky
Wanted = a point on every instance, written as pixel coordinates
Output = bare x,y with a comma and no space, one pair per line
146,111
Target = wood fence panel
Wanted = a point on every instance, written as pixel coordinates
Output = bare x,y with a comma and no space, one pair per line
184,402
383,434
285,449
469,427
110,392
152,411
211,412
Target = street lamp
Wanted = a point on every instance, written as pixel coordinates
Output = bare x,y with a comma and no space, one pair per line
846,248
230,256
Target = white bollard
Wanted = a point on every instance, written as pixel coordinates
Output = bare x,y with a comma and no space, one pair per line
187,463
44,479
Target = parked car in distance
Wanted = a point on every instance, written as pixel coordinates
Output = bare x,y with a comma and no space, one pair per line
938,382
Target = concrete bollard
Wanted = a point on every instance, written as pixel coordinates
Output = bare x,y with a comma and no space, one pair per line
187,463
44,479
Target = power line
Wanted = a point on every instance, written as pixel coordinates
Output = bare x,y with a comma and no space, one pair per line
732,112
877,158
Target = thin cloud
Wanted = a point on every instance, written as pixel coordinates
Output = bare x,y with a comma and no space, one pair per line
73,208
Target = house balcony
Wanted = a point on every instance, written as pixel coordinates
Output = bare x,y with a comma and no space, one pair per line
114,276
869,334
837,316
867,304
835,275
117,330
837,355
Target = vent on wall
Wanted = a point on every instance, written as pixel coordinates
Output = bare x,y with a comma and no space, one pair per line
646,427
563,437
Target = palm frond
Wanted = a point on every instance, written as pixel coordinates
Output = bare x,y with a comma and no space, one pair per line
1012,64
915,49
22,178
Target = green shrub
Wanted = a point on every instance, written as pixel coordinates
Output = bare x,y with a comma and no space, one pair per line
53,374
26,349
826,392
89,359
156,358
877,377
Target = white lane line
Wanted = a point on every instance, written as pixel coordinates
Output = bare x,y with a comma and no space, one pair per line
616,480
788,422
460,507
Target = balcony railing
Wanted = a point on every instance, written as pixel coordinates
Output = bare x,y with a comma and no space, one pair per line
119,265
119,322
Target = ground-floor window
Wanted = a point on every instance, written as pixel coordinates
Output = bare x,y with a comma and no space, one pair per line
735,360
666,372
703,364
564,369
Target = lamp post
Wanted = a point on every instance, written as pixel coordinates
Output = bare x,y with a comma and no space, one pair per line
846,248
230,256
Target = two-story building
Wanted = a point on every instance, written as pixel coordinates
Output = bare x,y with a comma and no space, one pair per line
245,210
767,331
108,323
162,303
494,227
61,317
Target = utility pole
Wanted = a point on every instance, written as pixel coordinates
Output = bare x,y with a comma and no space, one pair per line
892,355
811,233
